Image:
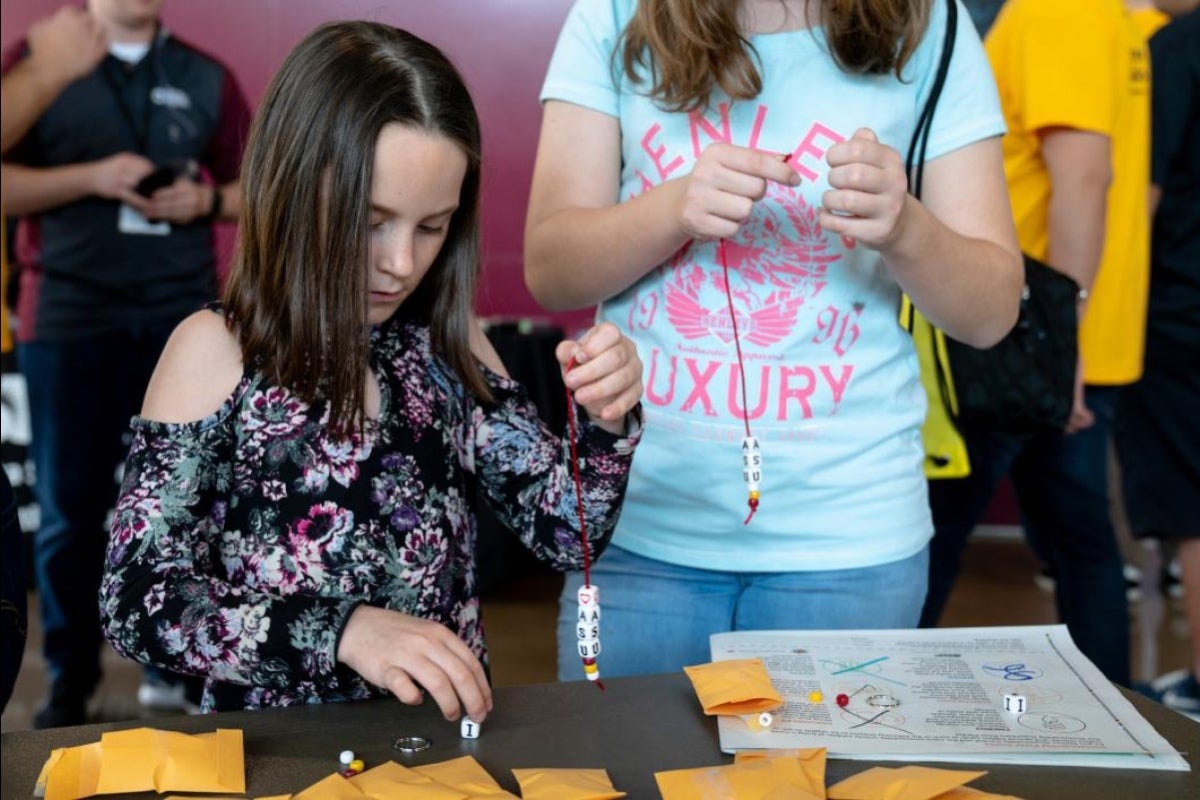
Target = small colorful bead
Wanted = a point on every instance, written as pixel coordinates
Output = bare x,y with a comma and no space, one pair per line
357,765
346,757
843,700
815,696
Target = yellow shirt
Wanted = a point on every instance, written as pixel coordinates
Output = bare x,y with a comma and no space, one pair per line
1149,20
1083,64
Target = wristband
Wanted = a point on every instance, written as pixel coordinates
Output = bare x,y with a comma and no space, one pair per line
214,210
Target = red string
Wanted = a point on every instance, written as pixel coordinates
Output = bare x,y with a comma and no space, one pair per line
737,343
578,483
587,581
736,339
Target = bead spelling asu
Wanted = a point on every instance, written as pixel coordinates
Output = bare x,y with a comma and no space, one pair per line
587,627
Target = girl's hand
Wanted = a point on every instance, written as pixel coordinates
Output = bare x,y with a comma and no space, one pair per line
404,654
607,376
719,194
870,191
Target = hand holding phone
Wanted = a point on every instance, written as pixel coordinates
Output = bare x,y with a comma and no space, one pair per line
162,176
165,175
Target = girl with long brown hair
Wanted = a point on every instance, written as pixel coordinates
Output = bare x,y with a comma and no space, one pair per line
747,154
295,522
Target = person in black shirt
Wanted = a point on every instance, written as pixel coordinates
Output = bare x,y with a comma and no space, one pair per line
106,274
1157,430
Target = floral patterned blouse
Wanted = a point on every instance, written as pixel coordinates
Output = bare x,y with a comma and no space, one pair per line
242,542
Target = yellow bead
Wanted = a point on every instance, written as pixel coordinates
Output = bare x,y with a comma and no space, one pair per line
754,495
357,765
590,668
815,696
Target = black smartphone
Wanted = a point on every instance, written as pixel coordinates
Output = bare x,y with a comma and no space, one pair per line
167,174
162,176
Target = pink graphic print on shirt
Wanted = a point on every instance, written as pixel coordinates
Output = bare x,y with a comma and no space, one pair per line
779,261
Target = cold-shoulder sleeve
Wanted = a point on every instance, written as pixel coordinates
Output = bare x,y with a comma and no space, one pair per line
525,473
166,598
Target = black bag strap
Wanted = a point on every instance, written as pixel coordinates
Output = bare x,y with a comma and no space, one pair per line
914,167
914,164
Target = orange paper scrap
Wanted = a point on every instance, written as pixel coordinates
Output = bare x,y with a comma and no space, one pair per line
145,759
467,775
335,787
762,779
390,780
741,686
903,783
810,759
967,793
565,784
75,774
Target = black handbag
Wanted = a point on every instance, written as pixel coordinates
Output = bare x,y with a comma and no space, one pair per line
1026,382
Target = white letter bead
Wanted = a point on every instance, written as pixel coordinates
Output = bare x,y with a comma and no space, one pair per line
587,630
589,648
589,596
751,462
469,728
589,614
1014,703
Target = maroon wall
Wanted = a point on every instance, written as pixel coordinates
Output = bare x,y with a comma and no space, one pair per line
502,48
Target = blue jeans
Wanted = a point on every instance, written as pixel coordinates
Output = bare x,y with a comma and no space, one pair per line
82,393
656,617
1061,483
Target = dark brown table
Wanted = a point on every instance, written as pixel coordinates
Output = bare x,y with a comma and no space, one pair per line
638,727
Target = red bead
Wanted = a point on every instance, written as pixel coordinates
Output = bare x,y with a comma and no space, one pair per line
843,700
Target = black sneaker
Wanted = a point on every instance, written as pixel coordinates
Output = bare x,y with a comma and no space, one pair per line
1178,690
1172,580
1044,580
60,712
165,691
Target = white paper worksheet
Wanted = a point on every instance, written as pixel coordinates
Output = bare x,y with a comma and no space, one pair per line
938,695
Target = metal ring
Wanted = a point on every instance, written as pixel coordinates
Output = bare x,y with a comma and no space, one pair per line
882,701
412,744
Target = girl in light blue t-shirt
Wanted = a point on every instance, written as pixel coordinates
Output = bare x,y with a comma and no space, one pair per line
710,162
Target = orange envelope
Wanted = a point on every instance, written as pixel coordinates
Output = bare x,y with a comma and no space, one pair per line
565,784
762,779
145,759
811,760
74,774
741,686
335,787
391,780
467,775
904,783
967,793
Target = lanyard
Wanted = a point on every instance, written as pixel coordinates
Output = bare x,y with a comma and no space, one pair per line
141,133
